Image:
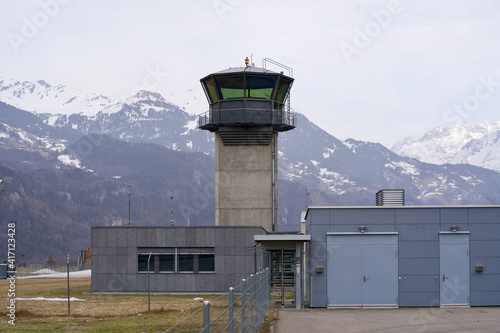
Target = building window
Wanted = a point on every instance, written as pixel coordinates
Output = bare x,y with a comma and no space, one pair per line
206,263
176,260
142,263
167,263
186,263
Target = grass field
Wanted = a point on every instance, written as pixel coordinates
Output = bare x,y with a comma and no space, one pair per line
98,313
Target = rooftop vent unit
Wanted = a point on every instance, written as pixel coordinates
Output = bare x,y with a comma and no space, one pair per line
390,198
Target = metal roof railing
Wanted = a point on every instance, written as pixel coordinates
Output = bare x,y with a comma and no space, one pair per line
281,120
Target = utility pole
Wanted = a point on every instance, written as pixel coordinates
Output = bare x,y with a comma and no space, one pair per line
67,262
171,208
129,194
307,194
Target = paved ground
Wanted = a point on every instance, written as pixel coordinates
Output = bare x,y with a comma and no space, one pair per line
483,319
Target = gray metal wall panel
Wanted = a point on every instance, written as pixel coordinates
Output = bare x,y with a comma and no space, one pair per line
486,282
318,233
454,216
482,249
418,249
318,249
364,216
485,215
419,283
319,216
490,265
417,216
480,231
318,300
355,227
418,232
419,266
419,299
487,298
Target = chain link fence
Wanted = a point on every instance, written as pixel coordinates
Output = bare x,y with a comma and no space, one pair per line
241,309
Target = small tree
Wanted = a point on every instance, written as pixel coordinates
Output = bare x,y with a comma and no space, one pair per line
51,262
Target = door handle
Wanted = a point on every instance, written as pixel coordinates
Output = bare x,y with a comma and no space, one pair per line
364,278
443,277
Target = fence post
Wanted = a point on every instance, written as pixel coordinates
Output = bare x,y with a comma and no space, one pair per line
206,317
254,300
263,295
258,302
231,305
243,305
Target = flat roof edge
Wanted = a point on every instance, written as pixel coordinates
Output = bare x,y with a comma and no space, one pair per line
397,207
260,238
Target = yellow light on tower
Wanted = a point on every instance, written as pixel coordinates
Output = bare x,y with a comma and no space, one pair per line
247,61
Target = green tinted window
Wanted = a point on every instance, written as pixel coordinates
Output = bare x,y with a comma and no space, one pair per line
260,86
230,86
283,86
210,89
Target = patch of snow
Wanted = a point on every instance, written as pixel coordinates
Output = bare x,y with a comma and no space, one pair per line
45,271
72,275
407,168
70,161
190,126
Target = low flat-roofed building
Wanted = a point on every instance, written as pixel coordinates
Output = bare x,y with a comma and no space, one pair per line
403,256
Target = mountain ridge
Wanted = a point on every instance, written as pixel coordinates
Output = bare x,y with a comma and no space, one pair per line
475,144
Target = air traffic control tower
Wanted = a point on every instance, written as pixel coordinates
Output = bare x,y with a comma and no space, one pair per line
249,106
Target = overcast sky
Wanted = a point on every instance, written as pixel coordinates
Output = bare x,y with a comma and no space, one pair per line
369,70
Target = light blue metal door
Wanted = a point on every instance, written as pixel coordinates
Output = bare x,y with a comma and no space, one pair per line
454,269
380,275
344,273
362,270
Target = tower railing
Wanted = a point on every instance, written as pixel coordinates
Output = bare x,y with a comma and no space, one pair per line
280,119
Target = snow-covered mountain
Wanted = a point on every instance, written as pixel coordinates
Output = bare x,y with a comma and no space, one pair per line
350,172
143,117
475,144
40,97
